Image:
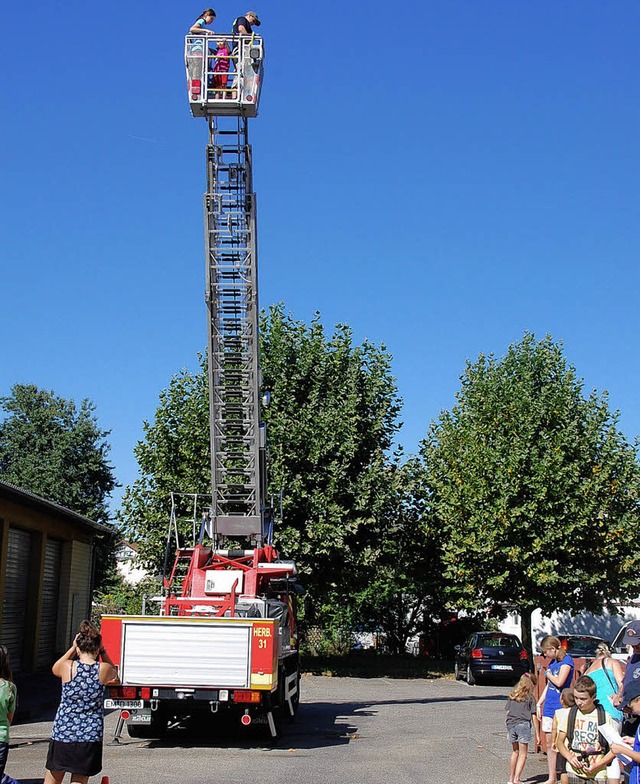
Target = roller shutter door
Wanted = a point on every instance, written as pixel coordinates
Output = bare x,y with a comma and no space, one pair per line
49,612
14,601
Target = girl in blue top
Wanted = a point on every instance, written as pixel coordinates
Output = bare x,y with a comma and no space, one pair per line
205,18
558,675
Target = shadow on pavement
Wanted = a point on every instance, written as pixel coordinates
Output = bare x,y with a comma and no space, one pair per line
317,725
38,697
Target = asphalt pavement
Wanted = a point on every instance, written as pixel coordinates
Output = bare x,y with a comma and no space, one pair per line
347,730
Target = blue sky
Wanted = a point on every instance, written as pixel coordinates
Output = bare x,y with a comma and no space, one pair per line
441,176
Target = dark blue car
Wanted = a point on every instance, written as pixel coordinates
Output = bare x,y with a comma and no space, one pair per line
491,656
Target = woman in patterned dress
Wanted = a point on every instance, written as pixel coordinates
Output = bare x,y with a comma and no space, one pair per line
76,739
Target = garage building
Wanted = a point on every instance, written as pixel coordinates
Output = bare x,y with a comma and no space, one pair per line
47,556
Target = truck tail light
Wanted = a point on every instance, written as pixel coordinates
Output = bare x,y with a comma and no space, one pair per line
476,653
246,696
245,719
129,693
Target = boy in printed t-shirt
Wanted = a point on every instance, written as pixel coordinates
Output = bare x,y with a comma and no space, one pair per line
586,752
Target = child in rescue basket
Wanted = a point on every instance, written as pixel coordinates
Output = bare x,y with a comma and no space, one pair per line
521,711
7,705
579,741
631,701
221,69
567,701
205,18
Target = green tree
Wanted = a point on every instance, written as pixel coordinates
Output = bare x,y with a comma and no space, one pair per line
174,457
52,447
330,424
533,487
404,592
119,597
56,449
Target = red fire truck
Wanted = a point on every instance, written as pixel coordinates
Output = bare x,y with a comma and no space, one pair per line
225,641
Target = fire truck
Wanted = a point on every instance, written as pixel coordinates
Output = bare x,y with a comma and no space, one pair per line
225,638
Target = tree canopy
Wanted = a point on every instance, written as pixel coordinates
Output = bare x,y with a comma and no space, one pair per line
56,449
533,487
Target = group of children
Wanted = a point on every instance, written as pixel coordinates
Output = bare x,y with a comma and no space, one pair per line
581,736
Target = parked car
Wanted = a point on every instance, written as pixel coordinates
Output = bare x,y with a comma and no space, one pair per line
580,646
491,656
619,648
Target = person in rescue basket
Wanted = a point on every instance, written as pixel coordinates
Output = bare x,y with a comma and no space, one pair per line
221,67
559,676
205,18
76,738
243,25
7,705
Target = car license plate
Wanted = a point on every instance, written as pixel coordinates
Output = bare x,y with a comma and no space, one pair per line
126,704
501,667
144,717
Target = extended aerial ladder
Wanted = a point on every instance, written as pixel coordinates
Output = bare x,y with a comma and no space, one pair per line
225,638
227,99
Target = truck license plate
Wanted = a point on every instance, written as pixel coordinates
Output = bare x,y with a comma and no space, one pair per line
501,667
127,704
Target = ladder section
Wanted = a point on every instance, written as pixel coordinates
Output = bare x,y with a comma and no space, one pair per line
232,301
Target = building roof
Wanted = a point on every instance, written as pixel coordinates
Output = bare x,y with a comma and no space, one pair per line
131,545
13,493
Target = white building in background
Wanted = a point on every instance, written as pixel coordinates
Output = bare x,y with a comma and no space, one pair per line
127,562
605,625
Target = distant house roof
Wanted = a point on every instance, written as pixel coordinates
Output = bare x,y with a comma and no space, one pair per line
132,545
13,493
